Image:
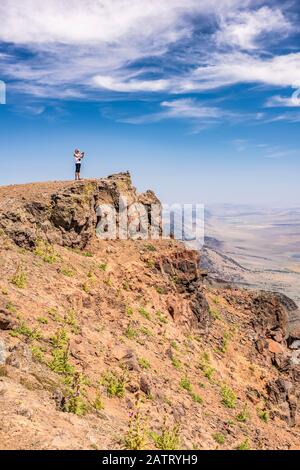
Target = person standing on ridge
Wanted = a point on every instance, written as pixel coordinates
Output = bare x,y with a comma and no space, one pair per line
78,157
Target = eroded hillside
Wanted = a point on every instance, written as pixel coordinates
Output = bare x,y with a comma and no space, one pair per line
125,344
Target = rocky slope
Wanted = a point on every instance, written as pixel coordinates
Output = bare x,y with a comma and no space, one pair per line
128,344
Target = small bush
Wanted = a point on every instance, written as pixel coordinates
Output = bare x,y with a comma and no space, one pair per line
71,320
19,279
145,331
98,403
144,364
228,397
245,445
131,333
60,354
214,313
186,384
11,308
114,384
176,363
243,416
74,402
37,353
169,437
219,438
102,267
46,252
196,398
263,415
67,272
224,343
137,435
205,366
25,330
161,318
150,247
129,311
144,313
43,320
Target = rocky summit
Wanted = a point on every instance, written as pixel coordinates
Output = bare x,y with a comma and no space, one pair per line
128,344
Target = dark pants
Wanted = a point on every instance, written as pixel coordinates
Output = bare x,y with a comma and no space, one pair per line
78,167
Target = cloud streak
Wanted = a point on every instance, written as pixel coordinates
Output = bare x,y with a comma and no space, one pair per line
65,49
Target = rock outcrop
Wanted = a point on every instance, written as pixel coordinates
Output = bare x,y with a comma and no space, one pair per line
67,215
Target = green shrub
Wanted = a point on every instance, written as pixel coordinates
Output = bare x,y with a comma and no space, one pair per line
245,445
176,363
263,415
114,384
46,252
67,272
150,247
137,435
144,364
11,307
60,354
129,311
161,317
186,384
25,330
19,279
214,313
37,353
43,320
74,402
169,437
131,333
228,397
146,331
71,320
219,438
205,366
196,398
98,403
144,313
243,416
102,267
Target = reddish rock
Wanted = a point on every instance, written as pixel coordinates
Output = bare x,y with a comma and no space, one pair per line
275,347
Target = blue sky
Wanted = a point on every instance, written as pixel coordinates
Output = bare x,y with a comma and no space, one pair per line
198,99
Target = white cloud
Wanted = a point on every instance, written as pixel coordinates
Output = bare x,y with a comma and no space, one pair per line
183,109
89,47
114,84
292,101
244,29
237,67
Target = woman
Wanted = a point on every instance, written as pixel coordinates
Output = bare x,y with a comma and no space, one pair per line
78,157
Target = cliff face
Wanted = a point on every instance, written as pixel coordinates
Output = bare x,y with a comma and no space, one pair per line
64,214
92,331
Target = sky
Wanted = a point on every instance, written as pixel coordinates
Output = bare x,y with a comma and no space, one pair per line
198,99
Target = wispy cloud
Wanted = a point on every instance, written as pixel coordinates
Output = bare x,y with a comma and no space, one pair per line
65,49
292,101
246,29
263,150
188,109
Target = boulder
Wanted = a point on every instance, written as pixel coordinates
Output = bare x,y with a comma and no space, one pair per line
6,322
